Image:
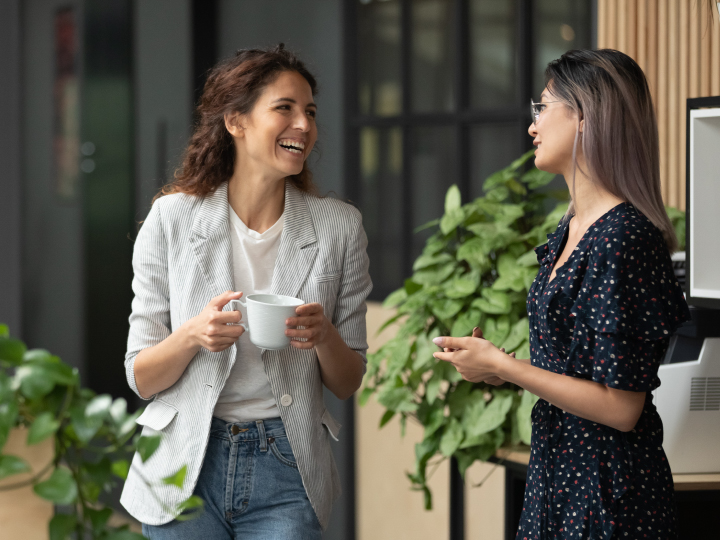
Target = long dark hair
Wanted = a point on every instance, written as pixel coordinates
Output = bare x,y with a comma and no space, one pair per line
608,90
234,85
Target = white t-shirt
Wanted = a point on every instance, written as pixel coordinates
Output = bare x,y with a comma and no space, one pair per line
246,395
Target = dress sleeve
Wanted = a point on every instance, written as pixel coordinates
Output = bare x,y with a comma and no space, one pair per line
615,360
628,306
630,288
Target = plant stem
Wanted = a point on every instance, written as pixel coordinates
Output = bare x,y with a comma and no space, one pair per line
29,481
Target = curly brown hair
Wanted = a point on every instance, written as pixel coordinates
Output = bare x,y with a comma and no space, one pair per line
233,85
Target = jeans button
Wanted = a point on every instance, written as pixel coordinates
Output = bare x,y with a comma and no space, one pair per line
235,430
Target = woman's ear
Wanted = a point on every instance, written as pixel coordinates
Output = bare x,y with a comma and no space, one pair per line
233,124
582,125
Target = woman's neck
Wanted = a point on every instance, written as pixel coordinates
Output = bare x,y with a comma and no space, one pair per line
590,200
258,202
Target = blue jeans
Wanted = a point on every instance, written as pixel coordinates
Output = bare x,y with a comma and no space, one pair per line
251,487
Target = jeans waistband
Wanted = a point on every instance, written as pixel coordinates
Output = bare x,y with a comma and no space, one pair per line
248,431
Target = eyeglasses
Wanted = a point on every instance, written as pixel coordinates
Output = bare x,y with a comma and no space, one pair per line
537,108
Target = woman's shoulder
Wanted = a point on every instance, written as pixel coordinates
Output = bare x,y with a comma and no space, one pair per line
176,208
333,212
625,231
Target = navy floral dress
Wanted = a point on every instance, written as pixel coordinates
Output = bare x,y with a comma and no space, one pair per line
606,317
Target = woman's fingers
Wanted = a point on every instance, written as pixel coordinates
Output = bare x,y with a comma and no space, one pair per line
477,332
221,300
226,317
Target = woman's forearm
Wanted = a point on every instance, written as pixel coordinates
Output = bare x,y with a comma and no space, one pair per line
157,368
341,368
619,409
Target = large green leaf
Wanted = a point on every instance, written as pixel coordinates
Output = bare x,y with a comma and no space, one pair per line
399,399
493,302
492,417
189,509
60,488
62,526
452,199
177,479
147,445
85,427
523,413
11,350
8,416
99,407
452,437
10,465
98,518
44,425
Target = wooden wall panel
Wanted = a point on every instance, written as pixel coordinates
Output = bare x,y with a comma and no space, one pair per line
677,44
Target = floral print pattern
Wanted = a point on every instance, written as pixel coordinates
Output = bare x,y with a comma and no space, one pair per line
607,316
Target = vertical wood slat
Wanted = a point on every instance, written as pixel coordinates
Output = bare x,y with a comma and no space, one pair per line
705,44
651,70
694,53
612,24
672,81
683,87
602,24
715,57
662,91
677,44
642,34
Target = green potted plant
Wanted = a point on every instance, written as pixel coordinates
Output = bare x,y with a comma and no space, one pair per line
475,270
94,438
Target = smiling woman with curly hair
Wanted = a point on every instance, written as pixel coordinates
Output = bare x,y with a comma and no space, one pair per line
242,218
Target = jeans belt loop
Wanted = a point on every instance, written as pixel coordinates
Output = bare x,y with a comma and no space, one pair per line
261,435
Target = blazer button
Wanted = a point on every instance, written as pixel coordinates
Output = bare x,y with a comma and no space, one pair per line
286,400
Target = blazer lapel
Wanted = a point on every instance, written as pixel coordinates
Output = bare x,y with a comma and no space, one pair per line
298,248
210,240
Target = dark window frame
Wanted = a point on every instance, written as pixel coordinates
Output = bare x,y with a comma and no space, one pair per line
463,118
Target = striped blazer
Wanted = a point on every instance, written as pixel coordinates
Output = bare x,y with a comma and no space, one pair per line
182,259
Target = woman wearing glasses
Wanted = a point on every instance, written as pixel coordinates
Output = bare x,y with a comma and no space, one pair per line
602,309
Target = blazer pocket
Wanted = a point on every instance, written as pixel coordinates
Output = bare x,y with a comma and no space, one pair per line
157,415
327,277
331,424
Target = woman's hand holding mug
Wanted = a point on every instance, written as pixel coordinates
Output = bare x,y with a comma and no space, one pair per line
315,326
213,328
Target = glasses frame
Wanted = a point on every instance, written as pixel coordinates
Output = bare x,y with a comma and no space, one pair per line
534,109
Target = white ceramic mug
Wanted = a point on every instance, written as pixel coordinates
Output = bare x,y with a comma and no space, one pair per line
266,315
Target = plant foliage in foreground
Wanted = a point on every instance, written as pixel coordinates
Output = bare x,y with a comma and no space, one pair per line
94,438
475,270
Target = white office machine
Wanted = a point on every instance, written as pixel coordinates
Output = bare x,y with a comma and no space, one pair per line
688,399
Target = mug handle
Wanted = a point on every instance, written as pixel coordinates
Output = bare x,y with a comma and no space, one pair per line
232,308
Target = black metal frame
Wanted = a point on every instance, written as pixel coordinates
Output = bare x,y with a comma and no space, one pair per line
694,103
462,119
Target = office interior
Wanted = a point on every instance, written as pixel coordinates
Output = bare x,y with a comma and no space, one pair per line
415,96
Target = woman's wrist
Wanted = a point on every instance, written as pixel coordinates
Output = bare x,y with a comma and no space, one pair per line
188,337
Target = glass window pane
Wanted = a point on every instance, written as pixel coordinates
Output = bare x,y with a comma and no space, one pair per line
493,53
492,147
382,206
560,26
433,169
433,51
379,88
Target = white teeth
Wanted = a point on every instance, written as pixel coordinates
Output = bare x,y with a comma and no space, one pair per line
296,147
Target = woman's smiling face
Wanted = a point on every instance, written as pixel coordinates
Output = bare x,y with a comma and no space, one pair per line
554,135
278,135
